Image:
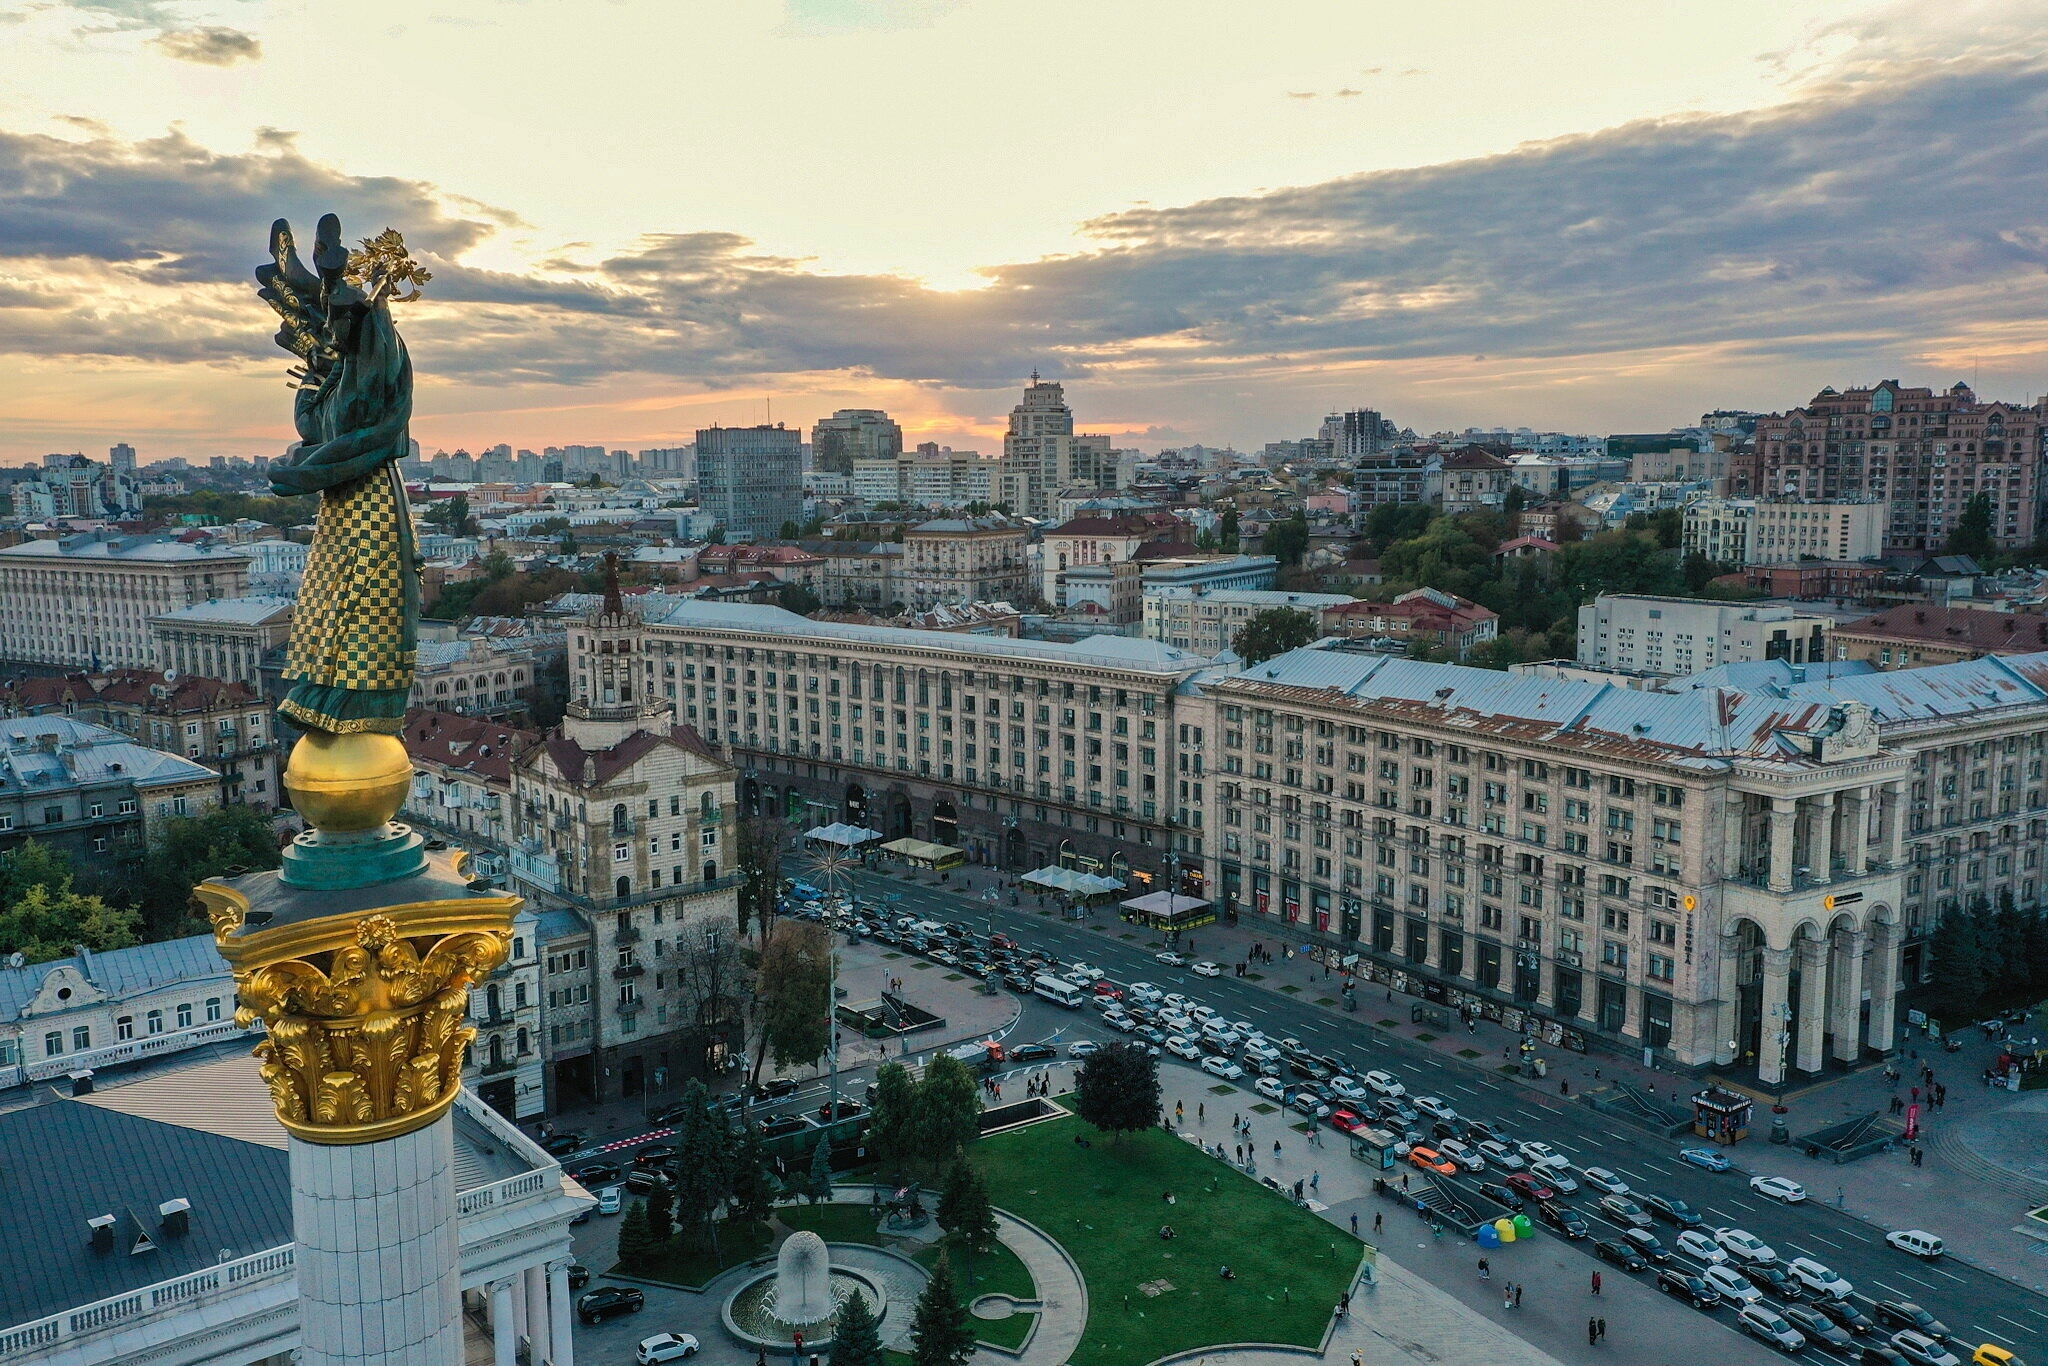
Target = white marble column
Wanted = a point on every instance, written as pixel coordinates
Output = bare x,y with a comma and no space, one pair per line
560,1343
1893,803
519,1329
536,1315
1727,1014
1784,815
1883,970
378,1250
1847,994
1813,1002
1820,836
1770,1057
504,1331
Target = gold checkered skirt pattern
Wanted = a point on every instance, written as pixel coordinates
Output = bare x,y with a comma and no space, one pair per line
352,643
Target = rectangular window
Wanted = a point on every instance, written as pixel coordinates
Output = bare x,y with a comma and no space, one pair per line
53,1044
185,1015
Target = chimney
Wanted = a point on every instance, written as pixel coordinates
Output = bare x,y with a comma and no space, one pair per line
102,1233
175,1217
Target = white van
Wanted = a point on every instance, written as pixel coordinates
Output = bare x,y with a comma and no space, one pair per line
1058,990
931,929
1919,1242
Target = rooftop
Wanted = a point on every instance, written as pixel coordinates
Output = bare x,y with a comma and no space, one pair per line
126,550
250,611
1955,627
118,972
51,753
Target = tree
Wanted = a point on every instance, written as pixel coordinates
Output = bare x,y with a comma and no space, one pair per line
1227,532
46,922
637,1248
797,598
753,1195
32,863
940,1334
1287,541
789,530
1972,533
1273,631
1667,525
1391,522
793,995
452,515
1117,1090
965,1211
948,1113
857,1341
892,1118
224,842
661,1215
704,1165
1958,964
758,845
820,1186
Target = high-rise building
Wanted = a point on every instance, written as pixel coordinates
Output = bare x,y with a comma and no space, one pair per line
1358,433
85,601
854,434
751,478
1043,455
121,456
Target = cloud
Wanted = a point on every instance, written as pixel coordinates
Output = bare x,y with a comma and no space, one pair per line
209,46
1895,216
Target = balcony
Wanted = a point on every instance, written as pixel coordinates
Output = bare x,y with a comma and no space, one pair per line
629,970
628,935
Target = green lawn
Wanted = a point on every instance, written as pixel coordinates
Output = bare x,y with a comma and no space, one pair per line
1149,1297
834,1223
695,1267
995,1272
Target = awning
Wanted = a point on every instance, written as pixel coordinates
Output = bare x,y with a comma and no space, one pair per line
842,834
1074,883
1170,908
924,851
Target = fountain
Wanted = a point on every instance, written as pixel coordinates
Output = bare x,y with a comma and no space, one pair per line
802,1295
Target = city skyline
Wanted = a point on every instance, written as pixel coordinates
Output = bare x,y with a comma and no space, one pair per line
1753,203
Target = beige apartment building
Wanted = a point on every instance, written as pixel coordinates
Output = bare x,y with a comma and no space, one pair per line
1676,871
965,559
1643,633
86,601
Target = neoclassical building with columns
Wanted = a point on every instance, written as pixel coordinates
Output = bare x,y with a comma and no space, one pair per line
1740,871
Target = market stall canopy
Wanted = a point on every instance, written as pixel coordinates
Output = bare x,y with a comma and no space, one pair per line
1071,881
1169,910
937,856
842,834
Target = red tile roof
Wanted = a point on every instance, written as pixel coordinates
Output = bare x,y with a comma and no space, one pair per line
477,744
606,764
1956,627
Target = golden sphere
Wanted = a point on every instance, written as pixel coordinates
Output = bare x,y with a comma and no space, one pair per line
348,782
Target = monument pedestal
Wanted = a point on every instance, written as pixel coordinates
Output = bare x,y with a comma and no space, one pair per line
380,1280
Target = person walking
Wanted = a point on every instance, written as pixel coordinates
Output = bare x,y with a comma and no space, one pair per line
1201,1113
1592,1332
1596,1282
1354,1225
1507,1295
1518,1296
1276,1147
1179,1112
1315,1181
1603,1328
1377,1221
1485,1269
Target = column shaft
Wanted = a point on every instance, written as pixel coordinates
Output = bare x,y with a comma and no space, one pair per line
1848,995
1813,1002
1894,804
1770,1053
536,1315
1820,839
1727,1018
1883,967
1783,812
560,1342
519,1311
504,1332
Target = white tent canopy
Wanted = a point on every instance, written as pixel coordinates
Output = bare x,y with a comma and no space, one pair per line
842,834
1067,880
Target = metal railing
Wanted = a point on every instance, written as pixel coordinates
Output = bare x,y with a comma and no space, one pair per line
132,1050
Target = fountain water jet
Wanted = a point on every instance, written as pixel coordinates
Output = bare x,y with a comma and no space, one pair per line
802,1295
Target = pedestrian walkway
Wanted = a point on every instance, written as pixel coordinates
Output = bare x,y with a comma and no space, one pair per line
1062,1294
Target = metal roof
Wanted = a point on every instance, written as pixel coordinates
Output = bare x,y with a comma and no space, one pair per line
248,611
48,754
121,972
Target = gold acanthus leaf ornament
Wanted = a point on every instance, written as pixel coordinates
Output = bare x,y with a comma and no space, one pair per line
382,266
375,1038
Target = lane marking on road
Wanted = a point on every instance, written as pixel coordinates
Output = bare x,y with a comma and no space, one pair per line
1935,1270
1829,1241
1744,1204
2015,1323
1857,1236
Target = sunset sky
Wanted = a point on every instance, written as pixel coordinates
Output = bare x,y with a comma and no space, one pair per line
1214,222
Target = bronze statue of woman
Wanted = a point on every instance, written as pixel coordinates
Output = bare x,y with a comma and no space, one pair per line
355,631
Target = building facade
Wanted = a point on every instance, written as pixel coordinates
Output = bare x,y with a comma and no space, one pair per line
1099,540
751,479
852,434
1420,617
97,1010
1208,620
1747,531
225,638
1678,636
93,793
1042,455
965,559
1916,635
86,601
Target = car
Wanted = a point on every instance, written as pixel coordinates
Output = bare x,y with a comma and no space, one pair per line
562,1145
579,1275
1002,941
1705,1158
1078,971
664,1347
591,1175
1778,1188
782,1125
1308,1103
1271,1088
1222,1067
1396,1109
1108,992
1906,1314
775,1088
1443,1129
1434,1108
1462,1153
1499,1154
1169,958
1917,1241
1177,1021
1645,1242
1533,1153
653,1154
1624,1211
609,1200
1688,1287
1479,1131
1733,1285
1033,1052
1601,1179
1774,1281
1876,1355
1144,993
1120,1022
1205,968
1083,1048
1199,1013
1923,1350
1348,1121
1531,1186
1173,1000
1819,1328
1384,1083
609,1301
1312,1068
1153,1035
1020,982
1743,1246
1670,1210
1700,1244
1181,1046
1429,1159
1763,1322
1501,1195
1349,1089
1563,1218
1259,1051
642,1181
1818,1280
1621,1254
1846,1316
1558,1173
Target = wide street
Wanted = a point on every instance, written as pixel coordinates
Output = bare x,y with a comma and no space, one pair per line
1977,1306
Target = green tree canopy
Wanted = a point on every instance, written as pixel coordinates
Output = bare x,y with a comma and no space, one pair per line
1273,631
793,994
940,1334
948,1112
224,842
820,1186
46,922
965,1211
1957,951
857,1341
892,1119
1117,1090
704,1166
637,1248
1972,532
1227,531
661,1215
1287,541
797,598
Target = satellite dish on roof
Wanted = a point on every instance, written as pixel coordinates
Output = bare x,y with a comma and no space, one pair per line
170,675
17,960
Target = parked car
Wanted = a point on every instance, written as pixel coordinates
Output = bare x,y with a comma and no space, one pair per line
1259,1050
1621,1254
1181,1046
1271,1088
1144,993
1500,1154
1429,1159
1384,1083
1919,1242
609,1301
1906,1314
579,1275
1169,958
1819,1328
1531,1186
1773,1280
1479,1131
1670,1210
1396,1109
775,1088
665,1347
1744,1246
1461,1153
1706,1158
1349,1088
1688,1287
1347,1121
1534,1152
1119,1021
1558,1173
1923,1350
1778,1188
1700,1244
1646,1243
561,1145
1077,971
1765,1323
1222,1067
1733,1285
1624,1211
1601,1179
1563,1218
1819,1280
653,1154
1846,1316
1308,1103
784,1124
609,1200
642,1181
1501,1195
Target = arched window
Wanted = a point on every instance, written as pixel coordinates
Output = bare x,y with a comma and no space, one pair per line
705,804
625,888
497,1051
525,1043
620,821
492,1001
710,872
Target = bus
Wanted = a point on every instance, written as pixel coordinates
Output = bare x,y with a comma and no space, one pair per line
1058,990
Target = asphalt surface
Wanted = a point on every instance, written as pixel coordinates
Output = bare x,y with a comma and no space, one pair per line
1976,1306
